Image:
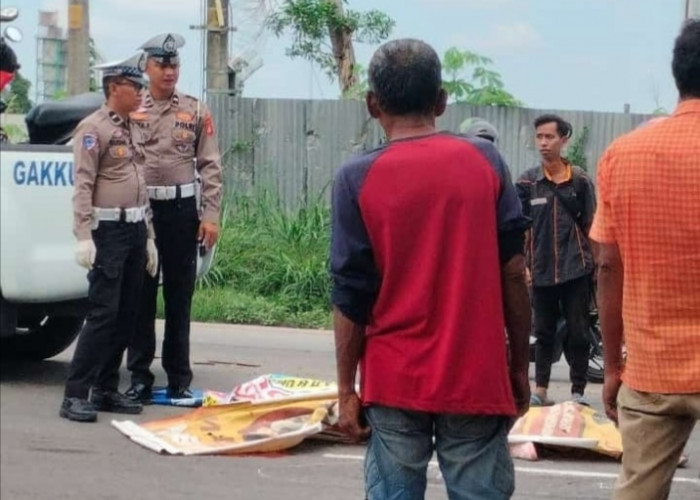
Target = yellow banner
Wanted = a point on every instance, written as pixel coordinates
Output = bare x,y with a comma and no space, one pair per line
273,386
244,427
568,425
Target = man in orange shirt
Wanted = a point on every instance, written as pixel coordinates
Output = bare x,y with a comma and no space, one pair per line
649,283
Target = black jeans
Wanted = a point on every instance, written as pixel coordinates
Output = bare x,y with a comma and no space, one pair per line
574,297
114,294
176,223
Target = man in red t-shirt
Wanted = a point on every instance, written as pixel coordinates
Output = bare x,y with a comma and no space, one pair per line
428,268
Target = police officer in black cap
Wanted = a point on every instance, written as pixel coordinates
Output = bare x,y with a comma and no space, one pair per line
176,135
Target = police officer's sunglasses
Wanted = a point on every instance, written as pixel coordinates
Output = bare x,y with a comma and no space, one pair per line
136,86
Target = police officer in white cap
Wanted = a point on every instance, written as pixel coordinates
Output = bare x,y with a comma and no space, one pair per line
112,222
176,134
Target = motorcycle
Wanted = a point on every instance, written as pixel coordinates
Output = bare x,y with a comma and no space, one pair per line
595,356
8,58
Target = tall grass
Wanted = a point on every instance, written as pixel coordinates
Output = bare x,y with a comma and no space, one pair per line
273,261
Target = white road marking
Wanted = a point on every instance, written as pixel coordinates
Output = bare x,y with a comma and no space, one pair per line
532,470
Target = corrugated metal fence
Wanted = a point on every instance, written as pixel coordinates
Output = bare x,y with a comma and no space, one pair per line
293,147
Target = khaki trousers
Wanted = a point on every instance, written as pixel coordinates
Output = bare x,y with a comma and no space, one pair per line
655,428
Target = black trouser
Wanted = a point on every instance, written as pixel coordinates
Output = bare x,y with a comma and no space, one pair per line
176,224
116,281
574,297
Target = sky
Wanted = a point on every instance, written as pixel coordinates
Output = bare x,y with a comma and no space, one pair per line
592,55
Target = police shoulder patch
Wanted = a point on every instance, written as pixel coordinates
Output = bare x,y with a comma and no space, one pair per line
209,124
89,141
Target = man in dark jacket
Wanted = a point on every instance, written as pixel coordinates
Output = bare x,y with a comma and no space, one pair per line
560,199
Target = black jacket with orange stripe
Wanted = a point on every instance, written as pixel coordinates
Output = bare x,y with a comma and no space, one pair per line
559,249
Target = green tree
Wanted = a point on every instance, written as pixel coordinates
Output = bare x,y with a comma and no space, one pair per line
484,87
360,87
323,32
18,100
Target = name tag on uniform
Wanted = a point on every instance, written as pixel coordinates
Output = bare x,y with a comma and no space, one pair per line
538,201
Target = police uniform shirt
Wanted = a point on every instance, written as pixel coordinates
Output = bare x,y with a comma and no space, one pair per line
106,173
171,134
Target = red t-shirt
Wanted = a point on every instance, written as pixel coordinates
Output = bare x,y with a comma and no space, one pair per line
415,257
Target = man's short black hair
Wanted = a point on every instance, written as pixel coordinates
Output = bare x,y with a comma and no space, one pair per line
564,128
686,59
406,76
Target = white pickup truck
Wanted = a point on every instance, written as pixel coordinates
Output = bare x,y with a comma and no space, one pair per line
43,291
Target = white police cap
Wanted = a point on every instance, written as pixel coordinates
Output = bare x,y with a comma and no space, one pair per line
164,47
131,68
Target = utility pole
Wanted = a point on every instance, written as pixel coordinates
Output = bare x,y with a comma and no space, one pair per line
692,9
78,47
217,47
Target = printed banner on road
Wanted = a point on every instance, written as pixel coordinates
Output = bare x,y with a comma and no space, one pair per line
270,413
568,425
274,386
243,427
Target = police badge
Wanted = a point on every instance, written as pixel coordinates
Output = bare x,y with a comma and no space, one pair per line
169,44
142,63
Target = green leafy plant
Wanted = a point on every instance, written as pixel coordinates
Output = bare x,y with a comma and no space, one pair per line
59,95
576,152
15,133
483,87
360,88
271,265
18,100
241,146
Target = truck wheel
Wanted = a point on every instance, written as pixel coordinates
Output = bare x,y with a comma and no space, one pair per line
41,338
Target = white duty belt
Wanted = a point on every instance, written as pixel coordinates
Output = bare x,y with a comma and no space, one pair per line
131,215
171,192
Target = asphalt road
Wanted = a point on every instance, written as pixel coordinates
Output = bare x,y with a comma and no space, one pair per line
45,457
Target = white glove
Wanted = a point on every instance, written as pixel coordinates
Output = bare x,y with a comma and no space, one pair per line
85,253
151,257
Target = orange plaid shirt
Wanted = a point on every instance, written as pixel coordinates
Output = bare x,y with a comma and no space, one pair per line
649,204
